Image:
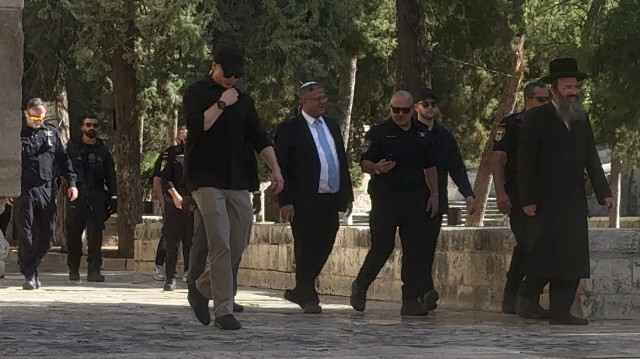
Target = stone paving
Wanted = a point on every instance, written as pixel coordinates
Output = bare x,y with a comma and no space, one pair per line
130,316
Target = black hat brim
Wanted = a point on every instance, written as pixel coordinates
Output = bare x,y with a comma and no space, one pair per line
558,75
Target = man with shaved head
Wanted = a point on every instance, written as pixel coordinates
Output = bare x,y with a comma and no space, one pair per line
400,160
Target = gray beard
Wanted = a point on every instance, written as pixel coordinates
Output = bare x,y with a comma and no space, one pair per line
571,111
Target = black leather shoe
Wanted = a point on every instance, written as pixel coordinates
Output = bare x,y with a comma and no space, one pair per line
529,309
74,275
566,319
312,308
227,322
238,308
170,285
30,283
199,303
358,300
291,296
430,299
95,277
413,308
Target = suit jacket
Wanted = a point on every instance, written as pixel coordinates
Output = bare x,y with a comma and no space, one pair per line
300,164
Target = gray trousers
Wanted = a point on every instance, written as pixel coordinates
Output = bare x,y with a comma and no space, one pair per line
227,216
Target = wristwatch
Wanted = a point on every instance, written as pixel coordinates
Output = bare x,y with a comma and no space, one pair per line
221,104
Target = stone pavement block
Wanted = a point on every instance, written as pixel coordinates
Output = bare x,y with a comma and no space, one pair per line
621,306
624,240
612,276
636,277
465,295
144,268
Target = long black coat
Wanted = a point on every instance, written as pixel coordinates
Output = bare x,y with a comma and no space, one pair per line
551,164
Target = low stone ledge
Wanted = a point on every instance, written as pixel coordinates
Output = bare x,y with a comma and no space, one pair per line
469,268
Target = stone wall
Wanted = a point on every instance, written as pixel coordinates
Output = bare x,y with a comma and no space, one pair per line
469,269
11,43
4,245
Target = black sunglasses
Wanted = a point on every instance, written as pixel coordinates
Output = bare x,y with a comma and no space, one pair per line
96,125
397,110
541,99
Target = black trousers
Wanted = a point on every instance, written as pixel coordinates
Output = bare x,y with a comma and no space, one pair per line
161,252
314,233
517,219
35,225
177,228
4,218
562,292
81,215
432,232
404,211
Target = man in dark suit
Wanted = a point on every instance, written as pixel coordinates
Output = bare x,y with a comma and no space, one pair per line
313,162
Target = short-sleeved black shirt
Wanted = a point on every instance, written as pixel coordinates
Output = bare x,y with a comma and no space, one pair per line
506,140
222,157
411,149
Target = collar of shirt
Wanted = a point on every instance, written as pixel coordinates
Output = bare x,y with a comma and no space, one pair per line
310,120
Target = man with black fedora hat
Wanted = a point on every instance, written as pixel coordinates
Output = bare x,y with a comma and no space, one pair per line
220,171
556,146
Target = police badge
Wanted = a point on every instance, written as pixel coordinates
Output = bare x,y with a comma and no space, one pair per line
366,145
500,132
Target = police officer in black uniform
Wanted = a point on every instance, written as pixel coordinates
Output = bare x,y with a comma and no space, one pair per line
399,158
505,168
178,219
35,210
95,169
449,163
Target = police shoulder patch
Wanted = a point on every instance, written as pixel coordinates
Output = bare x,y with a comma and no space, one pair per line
500,132
366,145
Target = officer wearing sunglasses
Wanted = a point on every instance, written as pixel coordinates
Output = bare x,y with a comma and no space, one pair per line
504,164
400,160
35,210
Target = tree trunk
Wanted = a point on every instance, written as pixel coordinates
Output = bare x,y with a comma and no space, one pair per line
413,71
505,107
596,8
127,148
346,93
615,185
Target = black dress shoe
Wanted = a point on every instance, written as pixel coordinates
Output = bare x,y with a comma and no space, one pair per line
413,308
430,298
509,304
238,308
95,277
170,285
30,283
199,303
227,322
74,275
291,296
566,319
529,309
312,308
358,300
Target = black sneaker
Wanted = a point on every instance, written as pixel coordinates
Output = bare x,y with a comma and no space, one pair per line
170,285
430,299
74,275
566,319
227,322
358,300
95,277
413,308
199,303
238,308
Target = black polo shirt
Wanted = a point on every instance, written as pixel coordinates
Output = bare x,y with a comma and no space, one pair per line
410,149
223,156
449,162
506,140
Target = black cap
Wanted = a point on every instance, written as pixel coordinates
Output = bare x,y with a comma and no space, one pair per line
426,93
231,59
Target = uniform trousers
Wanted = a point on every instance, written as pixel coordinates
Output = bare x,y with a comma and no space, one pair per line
35,224
517,219
390,211
562,292
432,232
80,216
314,233
177,227
227,217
